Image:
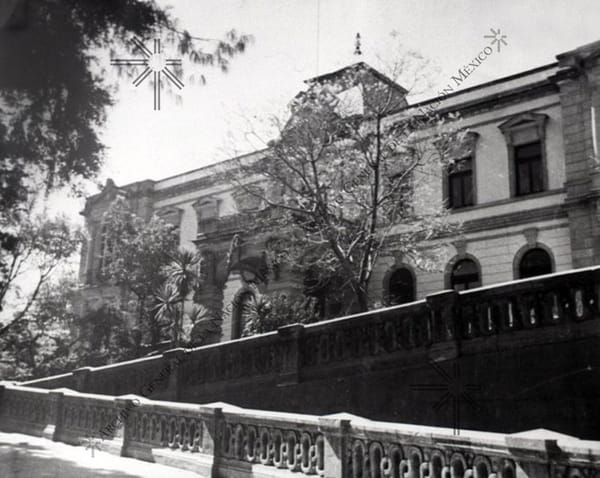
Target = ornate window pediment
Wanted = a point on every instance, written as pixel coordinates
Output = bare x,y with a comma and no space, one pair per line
171,215
524,128
526,142
207,208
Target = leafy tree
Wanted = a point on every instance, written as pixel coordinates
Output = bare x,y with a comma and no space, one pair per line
45,341
349,176
52,339
40,245
53,93
140,251
103,338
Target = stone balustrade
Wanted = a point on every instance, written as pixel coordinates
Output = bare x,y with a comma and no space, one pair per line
352,362
222,440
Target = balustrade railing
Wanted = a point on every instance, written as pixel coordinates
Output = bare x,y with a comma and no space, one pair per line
29,411
87,416
530,304
223,440
520,318
279,440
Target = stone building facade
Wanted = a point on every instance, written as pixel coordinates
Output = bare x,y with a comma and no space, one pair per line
527,194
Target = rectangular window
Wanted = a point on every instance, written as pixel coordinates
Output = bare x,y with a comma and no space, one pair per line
529,174
460,184
105,254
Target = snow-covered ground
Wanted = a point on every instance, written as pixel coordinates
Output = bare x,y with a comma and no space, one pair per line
24,456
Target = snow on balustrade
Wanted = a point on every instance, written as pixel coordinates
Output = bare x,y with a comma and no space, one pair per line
26,410
282,440
222,440
87,416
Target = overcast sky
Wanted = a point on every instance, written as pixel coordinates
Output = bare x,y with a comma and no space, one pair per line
295,40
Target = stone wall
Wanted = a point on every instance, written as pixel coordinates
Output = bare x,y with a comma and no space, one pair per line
530,349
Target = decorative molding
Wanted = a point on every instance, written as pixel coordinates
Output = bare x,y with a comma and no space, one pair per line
207,208
522,129
171,215
531,235
398,258
523,120
461,246
516,218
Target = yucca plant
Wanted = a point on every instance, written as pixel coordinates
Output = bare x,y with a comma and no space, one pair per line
182,276
206,324
167,308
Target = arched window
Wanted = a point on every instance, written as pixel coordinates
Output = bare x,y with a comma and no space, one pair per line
401,287
241,313
535,262
465,275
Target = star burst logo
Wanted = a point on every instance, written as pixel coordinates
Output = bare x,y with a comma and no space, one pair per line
497,38
453,391
155,63
91,443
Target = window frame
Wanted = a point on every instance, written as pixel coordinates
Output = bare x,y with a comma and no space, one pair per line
466,150
523,251
387,299
450,175
515,134
105,253
478,271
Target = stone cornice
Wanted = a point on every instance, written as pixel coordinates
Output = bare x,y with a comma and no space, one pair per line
515,218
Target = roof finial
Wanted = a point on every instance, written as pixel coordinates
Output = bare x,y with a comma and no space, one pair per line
357,45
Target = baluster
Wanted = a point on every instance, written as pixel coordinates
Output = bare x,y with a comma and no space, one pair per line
185,434
579,306
359,462
266,447
555,309
375,458
307,454
279,450
174,434
239,442
250,444
291,458
320,455
197,436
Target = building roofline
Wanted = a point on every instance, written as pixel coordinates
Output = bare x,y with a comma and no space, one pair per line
361,64
326,75
210,165
521,74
